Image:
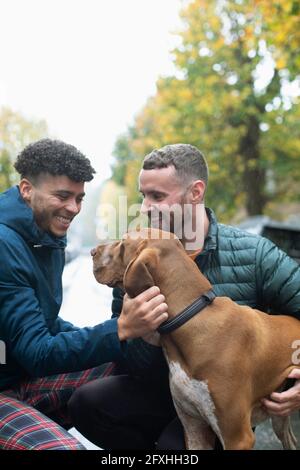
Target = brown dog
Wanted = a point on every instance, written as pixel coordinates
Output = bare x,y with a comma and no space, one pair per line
224,360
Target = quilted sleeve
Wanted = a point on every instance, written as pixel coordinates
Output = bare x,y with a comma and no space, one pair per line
278,279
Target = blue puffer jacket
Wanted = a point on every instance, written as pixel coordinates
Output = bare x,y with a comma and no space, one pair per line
37,341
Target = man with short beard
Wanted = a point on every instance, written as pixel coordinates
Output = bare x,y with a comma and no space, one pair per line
47,358
134,410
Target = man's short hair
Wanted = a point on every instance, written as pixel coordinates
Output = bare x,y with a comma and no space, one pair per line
56,158
188,161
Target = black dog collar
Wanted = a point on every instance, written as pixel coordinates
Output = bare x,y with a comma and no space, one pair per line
189,312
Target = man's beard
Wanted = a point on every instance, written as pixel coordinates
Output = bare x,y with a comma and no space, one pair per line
42,219
178,219
170,219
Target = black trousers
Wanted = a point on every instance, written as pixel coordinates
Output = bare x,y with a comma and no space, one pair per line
123,412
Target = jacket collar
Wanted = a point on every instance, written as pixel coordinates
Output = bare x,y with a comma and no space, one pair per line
210,242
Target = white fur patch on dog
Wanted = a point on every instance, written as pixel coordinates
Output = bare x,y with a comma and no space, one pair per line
192,398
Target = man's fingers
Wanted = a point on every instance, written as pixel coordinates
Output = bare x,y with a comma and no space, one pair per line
283,396
161,309
143,314
148,294
159,320
292,394
279,409
158,315
271,405
156,301
145,296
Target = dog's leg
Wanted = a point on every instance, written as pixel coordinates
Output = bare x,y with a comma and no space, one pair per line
283,430
242,438
235,425
198,434
195,408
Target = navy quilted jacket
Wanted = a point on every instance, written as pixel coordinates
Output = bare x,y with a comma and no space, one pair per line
248,268
37,341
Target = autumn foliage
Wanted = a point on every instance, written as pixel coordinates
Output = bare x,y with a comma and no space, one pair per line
235,96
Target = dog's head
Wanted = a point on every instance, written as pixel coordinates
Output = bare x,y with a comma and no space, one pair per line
131,262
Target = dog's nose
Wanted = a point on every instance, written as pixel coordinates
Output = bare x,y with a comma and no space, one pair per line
93,251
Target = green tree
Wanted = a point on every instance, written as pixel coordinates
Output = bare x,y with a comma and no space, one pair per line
221,100
15,133
281,19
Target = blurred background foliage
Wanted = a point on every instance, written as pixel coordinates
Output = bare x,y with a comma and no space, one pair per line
235,95
16,131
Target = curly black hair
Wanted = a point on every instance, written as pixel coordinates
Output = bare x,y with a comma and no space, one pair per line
56,158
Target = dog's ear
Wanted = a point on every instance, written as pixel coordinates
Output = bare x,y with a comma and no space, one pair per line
138,277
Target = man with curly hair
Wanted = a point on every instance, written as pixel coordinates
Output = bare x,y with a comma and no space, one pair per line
46,358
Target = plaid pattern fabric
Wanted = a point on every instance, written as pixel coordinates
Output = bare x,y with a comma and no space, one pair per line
34,414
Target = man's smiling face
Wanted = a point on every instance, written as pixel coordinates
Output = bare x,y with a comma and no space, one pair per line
55,201
161,189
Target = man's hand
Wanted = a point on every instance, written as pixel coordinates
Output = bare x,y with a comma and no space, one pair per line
284,403
142,315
